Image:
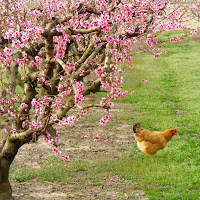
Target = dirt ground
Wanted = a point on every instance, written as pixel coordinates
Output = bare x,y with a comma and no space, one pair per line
77,146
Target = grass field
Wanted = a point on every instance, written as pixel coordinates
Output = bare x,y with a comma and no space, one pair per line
170,99
171,96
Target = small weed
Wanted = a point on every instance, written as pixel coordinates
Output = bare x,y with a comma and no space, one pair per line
20,175
79,168
55,170
119,149
98,184
73,145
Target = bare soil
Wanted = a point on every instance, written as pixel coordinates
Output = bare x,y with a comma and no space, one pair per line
114,187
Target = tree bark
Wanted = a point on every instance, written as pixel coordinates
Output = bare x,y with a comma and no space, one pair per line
5,191
5,187
7,155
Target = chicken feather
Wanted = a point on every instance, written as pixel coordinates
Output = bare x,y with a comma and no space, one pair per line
150,142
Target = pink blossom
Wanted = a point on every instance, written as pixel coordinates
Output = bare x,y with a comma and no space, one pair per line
77,5
104,120
124,94
8,51
70,120
157,55
25,37
50,141
103,101
36,124
25,55
14,131
23,105
131,66
37,12
78,99
60,88
2,108
132,92
9,34
106,140
60,6
58,133
87,135
16,34
60,123
121,60
41,80
96,138
107,38
129,59
16,44
144,81
78,117
85,111
111,104
120,80
56,151
32,63
38,60
20,61
5,130
65,158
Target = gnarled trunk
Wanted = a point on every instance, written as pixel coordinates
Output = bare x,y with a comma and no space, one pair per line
5,187
8,152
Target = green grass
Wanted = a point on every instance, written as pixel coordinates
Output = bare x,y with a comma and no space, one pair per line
53,169
173,82
173,173
21,175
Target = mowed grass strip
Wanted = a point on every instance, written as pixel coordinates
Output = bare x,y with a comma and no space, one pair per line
170,99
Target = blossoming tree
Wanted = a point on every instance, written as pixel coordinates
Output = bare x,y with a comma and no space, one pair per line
54,53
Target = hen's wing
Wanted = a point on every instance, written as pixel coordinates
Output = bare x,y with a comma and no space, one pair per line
149,148
151,137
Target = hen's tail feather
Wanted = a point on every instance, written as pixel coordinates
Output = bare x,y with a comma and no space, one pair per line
136,127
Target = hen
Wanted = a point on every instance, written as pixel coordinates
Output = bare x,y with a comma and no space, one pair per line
150,142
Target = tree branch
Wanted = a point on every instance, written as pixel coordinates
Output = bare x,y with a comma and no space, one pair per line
87,52
108,56
25,136
34,49
84,31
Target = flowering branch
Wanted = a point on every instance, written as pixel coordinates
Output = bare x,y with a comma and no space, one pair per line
85,31
107,107
25,136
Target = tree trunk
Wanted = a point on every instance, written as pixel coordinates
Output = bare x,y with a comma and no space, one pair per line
7,155
5,188
5,191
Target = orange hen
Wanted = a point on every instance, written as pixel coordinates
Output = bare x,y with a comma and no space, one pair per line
150,142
